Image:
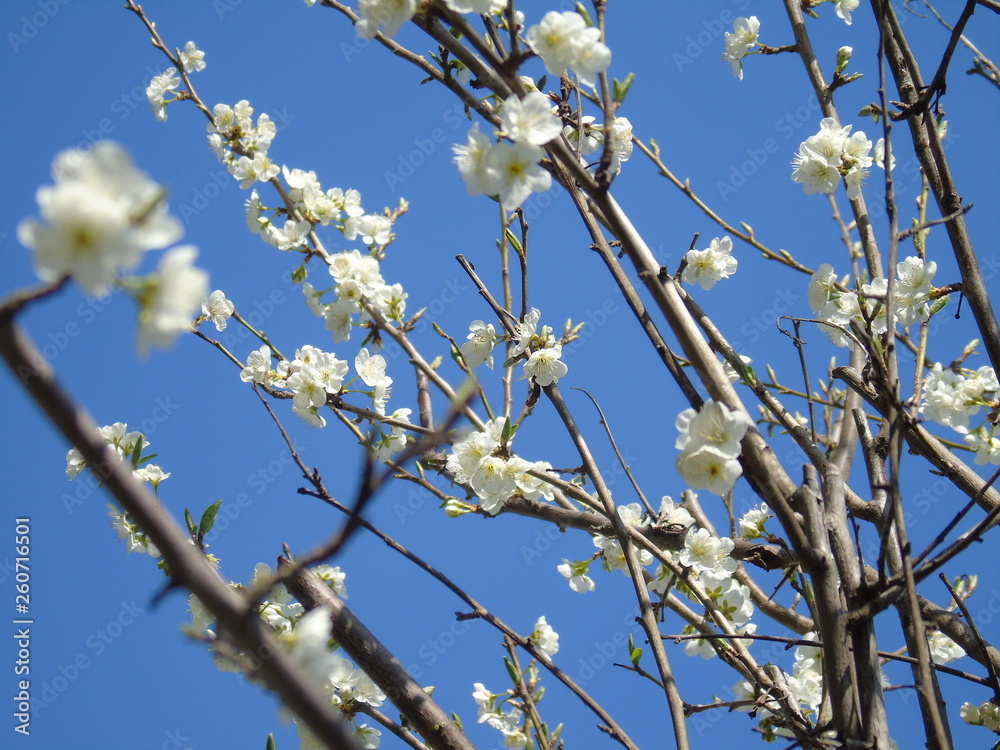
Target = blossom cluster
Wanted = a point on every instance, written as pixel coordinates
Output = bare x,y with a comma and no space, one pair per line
543,363
506,714
986,714
359,288
242,146
192,60
670,514
99,217
509,169
714,263
314,376
483,462
834,153
740,41
914,299
509,720
952,396
709,443
127,446
565,41
805,686
588,138
306,636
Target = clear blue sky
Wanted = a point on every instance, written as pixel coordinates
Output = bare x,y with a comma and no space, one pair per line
120,674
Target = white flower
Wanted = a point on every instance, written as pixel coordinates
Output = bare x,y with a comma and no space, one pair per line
715,425
620,138
151,473
873,296
529,120
706,553
481,7
576,574
100,216
259,168
218,309
373,229
513,171
822,290
467,453
525,330
307,644
710,444
673,514
986,443
544,366
563,40
913,290
844,8
740,41
589,136
128,532
479,347
471,162
815,173
176,292
943,649
493,483
389,14
879,156
192,58
951,397
333,577
705,469
706,267
545,637
371,368
368,737
751,524
158,87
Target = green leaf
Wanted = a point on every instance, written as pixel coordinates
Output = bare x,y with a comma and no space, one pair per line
621,88
270,743
192,529
300,274
208,518
509,430
582,10
514,241
512,671
634,654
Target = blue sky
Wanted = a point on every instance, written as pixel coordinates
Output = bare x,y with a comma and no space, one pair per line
117,669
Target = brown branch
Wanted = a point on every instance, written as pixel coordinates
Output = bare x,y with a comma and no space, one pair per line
188,567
